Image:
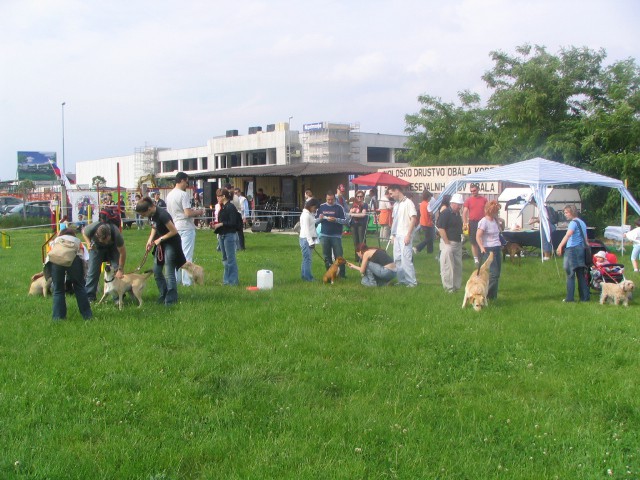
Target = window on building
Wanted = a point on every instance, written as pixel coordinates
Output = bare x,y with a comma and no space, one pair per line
170,166
205,163
189,164
378,155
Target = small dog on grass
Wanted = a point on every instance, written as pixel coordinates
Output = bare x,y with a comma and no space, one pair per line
40,285
617,292
477,288
195,271
514,251
131,282
332,273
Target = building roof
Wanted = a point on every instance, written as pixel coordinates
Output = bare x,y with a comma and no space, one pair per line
293,170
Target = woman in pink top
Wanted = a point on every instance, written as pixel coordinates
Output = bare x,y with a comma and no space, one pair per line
488,239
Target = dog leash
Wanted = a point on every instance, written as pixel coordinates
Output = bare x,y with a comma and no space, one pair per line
144,259
318,253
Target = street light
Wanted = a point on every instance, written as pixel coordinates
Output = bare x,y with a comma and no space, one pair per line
289,141
63,169
63,187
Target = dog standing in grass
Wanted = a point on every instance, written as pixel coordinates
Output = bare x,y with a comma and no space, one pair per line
130,282
514,251
617,292
477,288
196,272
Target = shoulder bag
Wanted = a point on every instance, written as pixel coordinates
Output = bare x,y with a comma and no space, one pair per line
63,252
588,258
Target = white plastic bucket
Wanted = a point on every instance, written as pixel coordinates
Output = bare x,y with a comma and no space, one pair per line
265,279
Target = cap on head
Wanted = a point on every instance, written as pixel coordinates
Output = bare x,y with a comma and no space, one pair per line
456,198
601,254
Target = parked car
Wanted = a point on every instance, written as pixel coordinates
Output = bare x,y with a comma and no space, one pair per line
33,209
7,202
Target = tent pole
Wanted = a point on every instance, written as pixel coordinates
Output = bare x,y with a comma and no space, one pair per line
623,219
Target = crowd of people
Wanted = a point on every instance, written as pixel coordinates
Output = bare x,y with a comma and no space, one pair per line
173,229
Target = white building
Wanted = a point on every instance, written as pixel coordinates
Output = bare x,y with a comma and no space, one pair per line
319,143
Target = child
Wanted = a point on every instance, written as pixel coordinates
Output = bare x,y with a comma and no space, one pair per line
634,236
600,259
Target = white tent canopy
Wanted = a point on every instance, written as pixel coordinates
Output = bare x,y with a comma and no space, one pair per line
538,174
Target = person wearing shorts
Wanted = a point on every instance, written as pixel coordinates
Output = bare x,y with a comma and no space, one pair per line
472,213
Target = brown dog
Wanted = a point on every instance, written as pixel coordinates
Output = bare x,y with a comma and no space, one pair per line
477,288
618,292
131,282
39,285
196,272
514,251
332,273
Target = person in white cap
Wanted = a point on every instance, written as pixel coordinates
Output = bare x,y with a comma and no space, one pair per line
600,258
449,226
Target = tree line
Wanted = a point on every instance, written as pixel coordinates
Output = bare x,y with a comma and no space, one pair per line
570,107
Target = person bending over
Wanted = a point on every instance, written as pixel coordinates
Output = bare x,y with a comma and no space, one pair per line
376,267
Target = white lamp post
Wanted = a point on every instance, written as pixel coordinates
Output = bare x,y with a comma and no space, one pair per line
63,169
63,188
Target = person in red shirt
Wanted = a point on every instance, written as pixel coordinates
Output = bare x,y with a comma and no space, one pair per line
426,223
471,214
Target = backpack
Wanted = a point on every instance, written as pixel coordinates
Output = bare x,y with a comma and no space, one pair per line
110,216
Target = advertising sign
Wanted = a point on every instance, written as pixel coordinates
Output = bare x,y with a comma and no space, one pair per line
435,179
36,166
309,127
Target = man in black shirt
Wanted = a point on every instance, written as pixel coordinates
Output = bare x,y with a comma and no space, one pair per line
450,228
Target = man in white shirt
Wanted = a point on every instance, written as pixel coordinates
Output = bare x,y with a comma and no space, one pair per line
405,219
179,207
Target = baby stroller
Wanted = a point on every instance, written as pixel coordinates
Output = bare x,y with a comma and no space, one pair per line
605,269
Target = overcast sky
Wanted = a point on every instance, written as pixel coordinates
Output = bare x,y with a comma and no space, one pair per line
176,73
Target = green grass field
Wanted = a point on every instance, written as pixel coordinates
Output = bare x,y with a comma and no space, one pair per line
313,381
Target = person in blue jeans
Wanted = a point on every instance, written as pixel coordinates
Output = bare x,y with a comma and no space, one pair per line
488,239
376,267
332,218
308,236
227,229
73,273
164,240
576,243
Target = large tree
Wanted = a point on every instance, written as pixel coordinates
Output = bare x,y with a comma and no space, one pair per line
568,107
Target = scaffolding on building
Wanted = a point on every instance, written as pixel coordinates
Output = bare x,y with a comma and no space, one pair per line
327,142
145,161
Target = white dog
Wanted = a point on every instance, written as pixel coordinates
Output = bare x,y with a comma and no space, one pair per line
195,271
477,288
131,282
618,292
39,285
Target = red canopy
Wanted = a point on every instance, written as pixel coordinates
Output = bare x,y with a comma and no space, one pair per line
380,178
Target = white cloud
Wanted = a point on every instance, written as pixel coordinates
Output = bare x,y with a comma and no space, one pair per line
170,72
359,69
